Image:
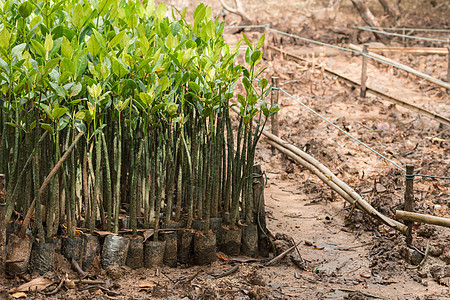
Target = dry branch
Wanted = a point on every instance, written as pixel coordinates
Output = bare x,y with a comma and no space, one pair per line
370,20
391,7
239,10
283,254
46,182
342,190
224,274
415,217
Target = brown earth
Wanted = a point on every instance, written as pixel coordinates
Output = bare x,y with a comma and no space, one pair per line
337,259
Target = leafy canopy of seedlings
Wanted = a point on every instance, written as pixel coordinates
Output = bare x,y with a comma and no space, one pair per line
152,97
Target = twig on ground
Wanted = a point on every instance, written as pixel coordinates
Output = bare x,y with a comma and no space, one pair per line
187,279
420,265
103,289
88,281
353,247
282,255
167,277
230,271
364,293
56,290
296,248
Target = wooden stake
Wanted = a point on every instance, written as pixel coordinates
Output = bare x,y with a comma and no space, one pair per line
409,199
354,38
266,53
404,67
364,71
439,118
448,68
2,224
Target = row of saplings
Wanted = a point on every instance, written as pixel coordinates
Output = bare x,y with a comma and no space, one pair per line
175,245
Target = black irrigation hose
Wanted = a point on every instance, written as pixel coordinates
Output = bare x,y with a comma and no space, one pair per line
274,249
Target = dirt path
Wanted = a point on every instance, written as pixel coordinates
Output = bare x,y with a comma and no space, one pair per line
338,256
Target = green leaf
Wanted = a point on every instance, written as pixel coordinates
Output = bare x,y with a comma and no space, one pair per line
241,100
59,112
5,38
164,82
66,48
173,109
93,46
81,65
116,40
25,9
175,27
48,127
58,89
48,44
161,11
261,41
256,57
100,39
274,109
246,40
194,86
97,131
14,125
150,9
80,115
18,50
38,48
263,83
76,89
119,68
156,108
50,65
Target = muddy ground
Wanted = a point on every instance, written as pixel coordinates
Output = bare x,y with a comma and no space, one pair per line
340,256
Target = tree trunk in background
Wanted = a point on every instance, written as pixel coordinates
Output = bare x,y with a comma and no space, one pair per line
239,10
2,225
391,8
370,20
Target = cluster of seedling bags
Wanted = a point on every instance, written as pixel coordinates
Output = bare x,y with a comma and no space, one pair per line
116,118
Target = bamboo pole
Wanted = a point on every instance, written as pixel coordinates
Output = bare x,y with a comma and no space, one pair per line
331,179
410,106
438,82
415,217
418,50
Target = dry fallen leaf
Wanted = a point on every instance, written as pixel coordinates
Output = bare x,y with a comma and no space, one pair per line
19,295
69,284
35,285
148,233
